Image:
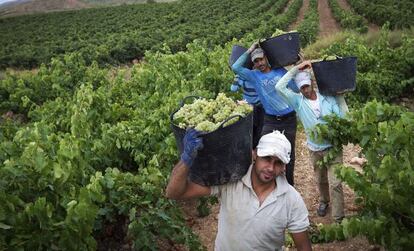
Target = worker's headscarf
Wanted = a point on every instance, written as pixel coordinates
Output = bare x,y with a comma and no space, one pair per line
274,144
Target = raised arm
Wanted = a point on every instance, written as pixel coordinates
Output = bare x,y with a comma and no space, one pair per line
179,187
238,67
282,84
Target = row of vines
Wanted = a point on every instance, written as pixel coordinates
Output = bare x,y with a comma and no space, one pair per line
397,13
309,28
347,18
123,33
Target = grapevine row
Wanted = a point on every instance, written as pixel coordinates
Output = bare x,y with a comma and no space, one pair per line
309,27
348,19
397,13
123,33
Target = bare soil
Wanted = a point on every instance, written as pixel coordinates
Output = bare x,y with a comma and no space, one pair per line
206,227
301,15
327,23
74,4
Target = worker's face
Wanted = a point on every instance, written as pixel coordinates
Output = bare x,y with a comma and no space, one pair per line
268,168
261,64
306,91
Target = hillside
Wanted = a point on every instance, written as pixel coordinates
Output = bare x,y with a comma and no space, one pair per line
115,34
23,7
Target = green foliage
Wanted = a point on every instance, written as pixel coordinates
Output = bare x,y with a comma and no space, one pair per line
309,28
397,13
266,27
122,33
20,93
347,18
58,182
282,21
384,188
383,72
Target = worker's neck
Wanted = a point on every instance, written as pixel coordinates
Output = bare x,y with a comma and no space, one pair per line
262,188
311,96
266,70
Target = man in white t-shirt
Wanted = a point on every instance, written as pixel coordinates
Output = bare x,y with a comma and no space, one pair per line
311,107
255,211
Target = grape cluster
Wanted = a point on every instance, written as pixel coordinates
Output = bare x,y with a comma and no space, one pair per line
327,58
207,115
281,32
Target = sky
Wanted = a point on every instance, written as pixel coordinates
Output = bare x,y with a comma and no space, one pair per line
5,1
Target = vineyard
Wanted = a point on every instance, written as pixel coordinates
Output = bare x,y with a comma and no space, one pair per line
86,147
117,34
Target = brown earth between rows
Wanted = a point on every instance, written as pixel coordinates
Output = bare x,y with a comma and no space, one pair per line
301,15
327,23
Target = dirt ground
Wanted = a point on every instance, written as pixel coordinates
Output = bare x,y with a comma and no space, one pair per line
327,23
301,15
206,227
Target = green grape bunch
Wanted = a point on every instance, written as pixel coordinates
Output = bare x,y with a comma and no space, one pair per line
327,58
279,32
207,115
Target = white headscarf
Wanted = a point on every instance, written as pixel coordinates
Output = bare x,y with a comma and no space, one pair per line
274,144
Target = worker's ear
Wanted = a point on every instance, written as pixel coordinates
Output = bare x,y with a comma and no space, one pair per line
254,155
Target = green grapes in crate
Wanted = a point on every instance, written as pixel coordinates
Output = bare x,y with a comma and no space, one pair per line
279,32
207,115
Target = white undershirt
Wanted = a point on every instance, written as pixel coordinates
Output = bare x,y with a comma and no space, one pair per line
315,106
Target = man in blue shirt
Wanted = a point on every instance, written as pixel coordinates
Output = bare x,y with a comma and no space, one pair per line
278,114
311,107
250,96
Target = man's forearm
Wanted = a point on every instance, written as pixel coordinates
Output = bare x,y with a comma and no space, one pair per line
178,181
282,84
237,67
302,241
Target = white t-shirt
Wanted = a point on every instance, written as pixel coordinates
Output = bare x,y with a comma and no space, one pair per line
244,225
315,106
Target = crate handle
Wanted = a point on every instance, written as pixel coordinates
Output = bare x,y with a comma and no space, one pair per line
228,119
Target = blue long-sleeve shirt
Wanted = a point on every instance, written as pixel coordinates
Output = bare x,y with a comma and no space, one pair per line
249,93
264,84
328,105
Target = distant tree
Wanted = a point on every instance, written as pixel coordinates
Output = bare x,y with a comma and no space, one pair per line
151,1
